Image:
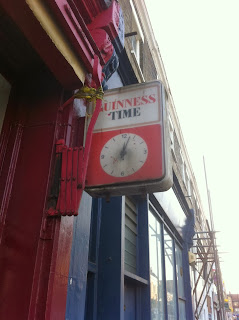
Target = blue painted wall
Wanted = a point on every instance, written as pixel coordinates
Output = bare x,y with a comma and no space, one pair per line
111,261
76,292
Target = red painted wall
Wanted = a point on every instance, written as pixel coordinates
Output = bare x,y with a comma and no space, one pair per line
34,251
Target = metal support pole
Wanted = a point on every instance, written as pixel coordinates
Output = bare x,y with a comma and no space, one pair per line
200,273
219,284
206,281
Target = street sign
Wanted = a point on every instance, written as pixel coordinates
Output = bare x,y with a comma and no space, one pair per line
130,152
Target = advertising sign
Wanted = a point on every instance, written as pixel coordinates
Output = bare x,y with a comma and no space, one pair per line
130,144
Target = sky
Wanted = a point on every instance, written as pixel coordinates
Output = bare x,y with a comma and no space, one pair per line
199,45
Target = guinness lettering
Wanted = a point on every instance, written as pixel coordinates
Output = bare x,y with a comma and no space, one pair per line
128,103
129,107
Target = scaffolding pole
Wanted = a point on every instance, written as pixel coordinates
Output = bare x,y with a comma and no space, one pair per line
217,265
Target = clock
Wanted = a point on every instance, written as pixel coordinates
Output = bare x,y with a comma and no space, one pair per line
130,150
123,155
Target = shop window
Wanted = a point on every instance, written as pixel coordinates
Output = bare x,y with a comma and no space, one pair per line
156,269
166,273
170,276
4,95
180,283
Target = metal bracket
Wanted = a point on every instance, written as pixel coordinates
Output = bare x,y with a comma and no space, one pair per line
71,181
74,163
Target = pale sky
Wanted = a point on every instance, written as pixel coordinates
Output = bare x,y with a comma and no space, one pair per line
198,41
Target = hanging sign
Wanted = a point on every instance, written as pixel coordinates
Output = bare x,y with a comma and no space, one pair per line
130,151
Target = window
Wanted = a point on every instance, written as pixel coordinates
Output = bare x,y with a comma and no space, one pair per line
182,165
180,282
170,276
156,270
137,40
187,181
166,273
171,131
171,134
139,37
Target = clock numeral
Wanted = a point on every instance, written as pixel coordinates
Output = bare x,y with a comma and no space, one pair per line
102,156
122,173
124,135
145,151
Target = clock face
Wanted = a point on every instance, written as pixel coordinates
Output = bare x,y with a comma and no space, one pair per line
123,155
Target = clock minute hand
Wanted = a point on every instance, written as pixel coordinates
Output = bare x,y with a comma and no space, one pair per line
127,142
123,152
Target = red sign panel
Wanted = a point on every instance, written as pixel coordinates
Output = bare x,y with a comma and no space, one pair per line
129,152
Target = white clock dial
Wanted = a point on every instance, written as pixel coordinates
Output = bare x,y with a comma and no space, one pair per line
123,155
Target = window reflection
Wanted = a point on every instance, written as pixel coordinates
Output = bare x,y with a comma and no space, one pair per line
172,208
180,283
166,274
156,280
170,278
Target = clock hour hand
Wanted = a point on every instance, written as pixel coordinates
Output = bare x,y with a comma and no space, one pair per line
123,151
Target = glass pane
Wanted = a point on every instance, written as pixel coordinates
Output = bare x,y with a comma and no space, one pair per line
179,271
156,282
172,208
170,278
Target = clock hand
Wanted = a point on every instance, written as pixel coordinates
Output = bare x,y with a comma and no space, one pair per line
123,151
127,143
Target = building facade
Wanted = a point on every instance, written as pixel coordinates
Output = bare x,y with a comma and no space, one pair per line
121,258
232,304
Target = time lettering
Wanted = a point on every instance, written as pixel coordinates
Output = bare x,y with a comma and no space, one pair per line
121,114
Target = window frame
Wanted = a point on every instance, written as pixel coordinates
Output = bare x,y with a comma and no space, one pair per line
176,240
137,40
